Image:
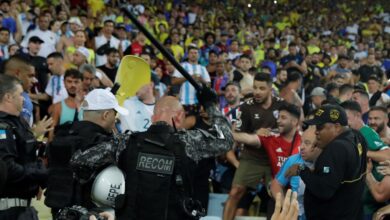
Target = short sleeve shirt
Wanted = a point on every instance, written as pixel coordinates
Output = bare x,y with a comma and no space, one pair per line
278,150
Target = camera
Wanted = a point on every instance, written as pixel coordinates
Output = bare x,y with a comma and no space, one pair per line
77,213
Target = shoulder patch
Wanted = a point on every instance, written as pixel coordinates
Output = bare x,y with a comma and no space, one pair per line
3,135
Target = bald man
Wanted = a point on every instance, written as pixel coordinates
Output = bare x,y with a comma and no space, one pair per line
163,187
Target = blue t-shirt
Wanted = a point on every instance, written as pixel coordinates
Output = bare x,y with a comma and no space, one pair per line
295,182
27,112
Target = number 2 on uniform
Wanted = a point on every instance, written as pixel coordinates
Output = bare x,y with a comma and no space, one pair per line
147,123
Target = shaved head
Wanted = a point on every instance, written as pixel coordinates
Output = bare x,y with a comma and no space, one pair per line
167,103
169,109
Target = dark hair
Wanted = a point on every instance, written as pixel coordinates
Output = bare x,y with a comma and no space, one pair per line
111,50
191,47
55,55
292,109
15,61
292,44
4,29
263,77
373,77
245,56
331,86
206,35
108,21
7,84
352,106
73,73
213,52
378,108
231,83
293,76
361,93
343,89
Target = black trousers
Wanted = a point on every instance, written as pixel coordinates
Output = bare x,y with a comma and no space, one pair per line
19,213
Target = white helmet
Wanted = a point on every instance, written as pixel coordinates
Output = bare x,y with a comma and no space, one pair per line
109,183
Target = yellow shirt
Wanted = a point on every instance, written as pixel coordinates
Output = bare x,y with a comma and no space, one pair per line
178,51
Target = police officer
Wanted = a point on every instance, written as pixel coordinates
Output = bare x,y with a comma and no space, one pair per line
156,162
99,113
335,186
18,148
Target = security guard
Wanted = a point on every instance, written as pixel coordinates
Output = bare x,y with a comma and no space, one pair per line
18,149
335,186
156,162
99,112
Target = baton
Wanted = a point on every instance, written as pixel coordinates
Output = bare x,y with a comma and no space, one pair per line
162,49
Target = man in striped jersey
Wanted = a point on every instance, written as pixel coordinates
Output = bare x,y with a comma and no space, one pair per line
187,91
232,96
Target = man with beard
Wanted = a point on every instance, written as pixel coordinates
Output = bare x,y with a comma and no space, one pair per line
232,96
67,110
111,67
377,151
378,120
278,146
260,111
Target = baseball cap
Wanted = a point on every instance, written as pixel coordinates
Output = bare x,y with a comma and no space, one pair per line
102,99
329,114
318,91
36,39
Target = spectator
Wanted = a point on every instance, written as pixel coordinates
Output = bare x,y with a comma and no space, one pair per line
187,91
361,97
104,41
378,120
42,31
243,76
111,66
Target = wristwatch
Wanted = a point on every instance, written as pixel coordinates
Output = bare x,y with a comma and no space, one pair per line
301,167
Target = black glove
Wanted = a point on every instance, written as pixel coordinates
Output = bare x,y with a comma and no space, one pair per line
206,96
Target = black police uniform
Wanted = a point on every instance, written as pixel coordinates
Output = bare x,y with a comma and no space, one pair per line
159,192
91,135
63,189
18,148
335,187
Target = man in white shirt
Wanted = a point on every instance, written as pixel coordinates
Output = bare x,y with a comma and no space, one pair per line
55,87
140,109
45,34
105,40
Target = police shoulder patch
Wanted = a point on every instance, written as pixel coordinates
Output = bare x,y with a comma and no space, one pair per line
3,135
155,163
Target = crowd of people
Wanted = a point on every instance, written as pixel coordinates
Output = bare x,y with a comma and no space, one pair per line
304,87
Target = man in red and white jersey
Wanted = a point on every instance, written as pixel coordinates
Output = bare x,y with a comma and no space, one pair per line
278,146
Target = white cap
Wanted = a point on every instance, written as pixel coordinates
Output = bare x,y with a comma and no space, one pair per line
318,91
102,99
84,51
75,20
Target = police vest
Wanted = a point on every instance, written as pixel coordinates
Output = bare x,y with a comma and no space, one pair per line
62,188
157,180
26,146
